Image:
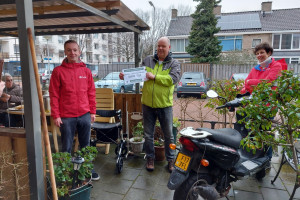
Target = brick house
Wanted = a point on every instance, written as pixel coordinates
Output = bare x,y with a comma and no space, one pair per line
244,30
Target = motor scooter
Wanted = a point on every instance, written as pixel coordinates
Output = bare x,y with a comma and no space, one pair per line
209,160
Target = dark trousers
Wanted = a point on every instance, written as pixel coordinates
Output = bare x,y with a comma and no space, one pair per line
83,126
9,120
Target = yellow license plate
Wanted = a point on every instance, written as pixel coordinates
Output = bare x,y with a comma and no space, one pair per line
191,84
182,161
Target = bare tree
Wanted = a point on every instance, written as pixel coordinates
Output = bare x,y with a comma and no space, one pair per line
123,46
42,50
160,26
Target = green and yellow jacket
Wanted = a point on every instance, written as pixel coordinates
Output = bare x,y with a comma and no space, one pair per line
158,93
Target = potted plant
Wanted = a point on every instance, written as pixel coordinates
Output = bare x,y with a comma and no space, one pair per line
74,184
137,140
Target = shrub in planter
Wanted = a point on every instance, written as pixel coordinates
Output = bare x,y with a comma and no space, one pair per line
64,169
137,141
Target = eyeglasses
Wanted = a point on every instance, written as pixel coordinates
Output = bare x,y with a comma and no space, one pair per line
9,80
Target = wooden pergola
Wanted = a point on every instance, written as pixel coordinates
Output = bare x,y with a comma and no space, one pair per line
57,17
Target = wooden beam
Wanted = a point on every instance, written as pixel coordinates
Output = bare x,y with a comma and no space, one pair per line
66,7
62,15
102,14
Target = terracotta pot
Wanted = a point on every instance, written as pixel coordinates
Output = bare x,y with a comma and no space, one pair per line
159,153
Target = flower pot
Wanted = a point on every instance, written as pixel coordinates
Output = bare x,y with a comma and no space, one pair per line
136,147
82,192
159,153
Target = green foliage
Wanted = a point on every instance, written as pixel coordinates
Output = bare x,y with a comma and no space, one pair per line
159,143
138,132
227,89
203,44
264,105
64,172
176,122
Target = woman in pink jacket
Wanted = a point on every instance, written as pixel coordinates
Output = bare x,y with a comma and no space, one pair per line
267,69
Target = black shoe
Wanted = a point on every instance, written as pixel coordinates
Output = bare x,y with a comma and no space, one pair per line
95,176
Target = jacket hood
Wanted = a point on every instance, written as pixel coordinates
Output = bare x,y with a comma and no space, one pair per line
72,65
167,59
12,87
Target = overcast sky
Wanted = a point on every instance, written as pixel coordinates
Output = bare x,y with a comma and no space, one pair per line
227,5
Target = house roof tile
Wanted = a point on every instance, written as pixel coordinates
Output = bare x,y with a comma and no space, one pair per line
277,20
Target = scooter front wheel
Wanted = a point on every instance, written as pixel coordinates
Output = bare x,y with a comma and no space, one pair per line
185,190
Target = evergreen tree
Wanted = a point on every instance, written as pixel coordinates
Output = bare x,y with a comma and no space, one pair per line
203,45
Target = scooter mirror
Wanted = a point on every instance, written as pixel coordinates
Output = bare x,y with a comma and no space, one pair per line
211,94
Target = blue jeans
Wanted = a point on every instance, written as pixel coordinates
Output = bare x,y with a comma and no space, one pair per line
165,118
83,126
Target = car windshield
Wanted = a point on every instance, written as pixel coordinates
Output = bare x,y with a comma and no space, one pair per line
240,76
192,76
112,76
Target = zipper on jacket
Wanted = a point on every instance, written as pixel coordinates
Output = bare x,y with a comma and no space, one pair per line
154,82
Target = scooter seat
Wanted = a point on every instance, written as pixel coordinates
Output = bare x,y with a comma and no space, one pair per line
226,136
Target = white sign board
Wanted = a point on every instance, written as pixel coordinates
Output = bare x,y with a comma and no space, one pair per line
134,75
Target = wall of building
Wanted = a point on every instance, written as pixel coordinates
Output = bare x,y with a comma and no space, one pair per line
248,38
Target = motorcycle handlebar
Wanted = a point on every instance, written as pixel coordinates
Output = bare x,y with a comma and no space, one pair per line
232,104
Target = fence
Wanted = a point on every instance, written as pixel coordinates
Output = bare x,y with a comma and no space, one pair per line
213,71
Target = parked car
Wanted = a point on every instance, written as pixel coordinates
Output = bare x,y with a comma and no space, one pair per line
95,73
46,75
239,76
192,83
113,81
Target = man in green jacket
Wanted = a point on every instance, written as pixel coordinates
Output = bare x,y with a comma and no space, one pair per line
163,72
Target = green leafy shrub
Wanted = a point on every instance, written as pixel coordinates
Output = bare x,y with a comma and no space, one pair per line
64,172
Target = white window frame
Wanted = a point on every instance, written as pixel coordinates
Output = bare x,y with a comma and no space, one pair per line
280,39
253,41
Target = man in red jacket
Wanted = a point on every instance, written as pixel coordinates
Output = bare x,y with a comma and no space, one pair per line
72,99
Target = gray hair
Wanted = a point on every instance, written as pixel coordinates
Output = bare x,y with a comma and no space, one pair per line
6,75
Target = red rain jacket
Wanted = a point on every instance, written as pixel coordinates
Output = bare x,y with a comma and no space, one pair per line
257,74
72,91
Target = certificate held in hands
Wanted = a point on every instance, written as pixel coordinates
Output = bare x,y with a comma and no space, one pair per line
134,75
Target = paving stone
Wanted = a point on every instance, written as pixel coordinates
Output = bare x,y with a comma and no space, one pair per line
266,183
244,195
96,195
137,194
290,188
162,193
250,185
274,194
117,186
128,174
146,182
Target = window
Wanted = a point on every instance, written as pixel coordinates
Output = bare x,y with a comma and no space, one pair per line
179,45
16,48
104,47
295,60
60,39
61,53
276,42
255,42
96,36
231,43
103,37
96,46
96,56
296,41
104,58
286,41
